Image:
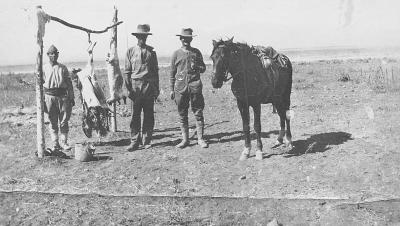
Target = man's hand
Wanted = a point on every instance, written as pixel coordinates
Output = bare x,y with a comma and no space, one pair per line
72,101
172,95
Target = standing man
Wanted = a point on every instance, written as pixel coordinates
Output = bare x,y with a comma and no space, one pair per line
142,82
186,66
59,99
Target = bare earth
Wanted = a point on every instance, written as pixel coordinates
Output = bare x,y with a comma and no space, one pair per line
343,170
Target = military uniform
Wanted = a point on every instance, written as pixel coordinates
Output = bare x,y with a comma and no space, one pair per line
59,98
142,80
186,66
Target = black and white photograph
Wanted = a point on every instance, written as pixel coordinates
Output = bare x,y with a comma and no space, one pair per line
185,112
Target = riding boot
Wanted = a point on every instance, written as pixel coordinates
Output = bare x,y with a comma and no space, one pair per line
54,139
200,132
64,141
185,136
135,142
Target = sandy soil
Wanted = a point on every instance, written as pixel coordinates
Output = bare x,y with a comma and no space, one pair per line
345,161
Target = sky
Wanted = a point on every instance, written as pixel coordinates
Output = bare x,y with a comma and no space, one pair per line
283,24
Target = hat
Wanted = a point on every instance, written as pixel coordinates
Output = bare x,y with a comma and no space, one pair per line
142,29
52,49
186,32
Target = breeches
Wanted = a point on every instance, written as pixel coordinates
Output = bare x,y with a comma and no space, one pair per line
147,105
59,112
196,101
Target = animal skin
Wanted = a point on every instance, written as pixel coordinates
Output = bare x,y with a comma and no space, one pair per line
92,93
114,75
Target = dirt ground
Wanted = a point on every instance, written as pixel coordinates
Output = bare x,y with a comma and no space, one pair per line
344,168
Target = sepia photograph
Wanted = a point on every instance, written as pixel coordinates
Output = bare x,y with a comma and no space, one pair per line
185,112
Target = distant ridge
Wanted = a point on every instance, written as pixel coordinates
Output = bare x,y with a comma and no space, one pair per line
295,54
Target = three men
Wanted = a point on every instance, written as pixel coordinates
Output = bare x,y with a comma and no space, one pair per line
142,82
186,65
59,99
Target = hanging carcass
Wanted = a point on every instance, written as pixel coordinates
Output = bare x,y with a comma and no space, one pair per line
95,111
114,75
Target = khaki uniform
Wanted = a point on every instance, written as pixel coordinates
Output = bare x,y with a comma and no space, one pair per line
186,66
59,93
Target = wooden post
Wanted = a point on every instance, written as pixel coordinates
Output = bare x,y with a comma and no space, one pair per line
114,38
40,142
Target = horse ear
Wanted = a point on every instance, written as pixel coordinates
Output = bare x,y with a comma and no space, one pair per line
231,39
214,42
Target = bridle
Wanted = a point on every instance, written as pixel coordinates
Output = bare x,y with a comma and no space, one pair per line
227,67
242,71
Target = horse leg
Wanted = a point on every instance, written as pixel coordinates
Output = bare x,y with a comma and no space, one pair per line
288,132
244,113
257,129
285,121
282,117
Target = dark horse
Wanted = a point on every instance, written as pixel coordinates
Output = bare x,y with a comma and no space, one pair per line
250,88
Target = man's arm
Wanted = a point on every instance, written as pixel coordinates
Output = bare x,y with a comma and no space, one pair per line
128,71
201,66
173,71
156,75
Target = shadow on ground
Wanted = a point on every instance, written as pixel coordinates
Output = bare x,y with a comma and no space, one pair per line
318,143
225,137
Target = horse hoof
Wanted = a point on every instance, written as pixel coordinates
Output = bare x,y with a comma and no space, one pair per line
277,143
245,154
259,155
290,147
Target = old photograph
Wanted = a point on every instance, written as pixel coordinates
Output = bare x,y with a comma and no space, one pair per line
185,112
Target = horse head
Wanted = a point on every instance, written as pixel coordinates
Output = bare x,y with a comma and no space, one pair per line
221,57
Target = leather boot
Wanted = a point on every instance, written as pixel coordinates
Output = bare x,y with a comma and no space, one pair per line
200,132
135,142
185,136
64,141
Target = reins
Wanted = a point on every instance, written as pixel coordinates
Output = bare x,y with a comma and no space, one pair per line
238,72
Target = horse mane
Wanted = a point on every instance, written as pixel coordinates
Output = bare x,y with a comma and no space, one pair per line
244,47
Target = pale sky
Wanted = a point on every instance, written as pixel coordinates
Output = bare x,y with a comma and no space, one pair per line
283,24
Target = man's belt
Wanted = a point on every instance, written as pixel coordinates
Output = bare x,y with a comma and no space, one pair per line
55,92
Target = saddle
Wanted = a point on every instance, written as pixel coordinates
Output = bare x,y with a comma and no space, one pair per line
274,64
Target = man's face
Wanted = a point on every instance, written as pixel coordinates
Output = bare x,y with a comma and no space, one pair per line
141,39
186,40
53,57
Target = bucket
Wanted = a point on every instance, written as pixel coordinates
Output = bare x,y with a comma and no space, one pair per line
84,152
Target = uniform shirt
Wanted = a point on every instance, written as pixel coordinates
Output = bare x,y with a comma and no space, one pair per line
57,76
141,63
183,77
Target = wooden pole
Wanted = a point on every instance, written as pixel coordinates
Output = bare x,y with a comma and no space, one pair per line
114,39
82,28
40,142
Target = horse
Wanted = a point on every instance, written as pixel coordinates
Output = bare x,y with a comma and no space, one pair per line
252,89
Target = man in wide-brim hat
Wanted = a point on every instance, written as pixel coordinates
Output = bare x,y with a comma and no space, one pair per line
142,82
186,87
